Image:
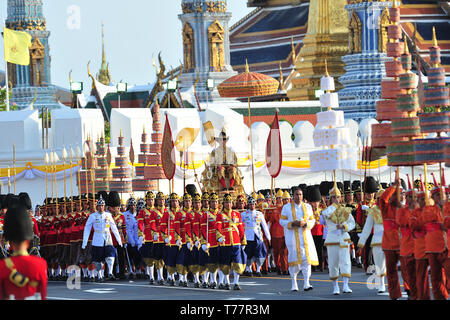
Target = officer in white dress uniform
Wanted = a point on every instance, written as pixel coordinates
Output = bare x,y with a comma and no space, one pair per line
339,222
255,248
133,241
297,219
102,246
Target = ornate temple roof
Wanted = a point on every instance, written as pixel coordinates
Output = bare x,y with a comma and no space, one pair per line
264,36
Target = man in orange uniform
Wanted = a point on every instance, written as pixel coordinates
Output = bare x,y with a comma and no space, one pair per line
277,235
21,276
145,231
390,244
209,240
422,285
172,245
230,235
446,214
407,261
158,241
435,243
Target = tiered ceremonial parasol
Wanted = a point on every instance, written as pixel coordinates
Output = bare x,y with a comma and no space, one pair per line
248,84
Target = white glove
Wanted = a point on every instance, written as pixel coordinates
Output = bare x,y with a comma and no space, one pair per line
197,243
166,240
188,245
204,247
155,237
125,245
243,247
178,242
221,239
364,207
83,247
141,239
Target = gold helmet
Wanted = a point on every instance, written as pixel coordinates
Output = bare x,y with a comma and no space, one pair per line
335,191
279,194
213,196
286,195
174,196
149,195
160,195
205,196
187,196
227,198
197,197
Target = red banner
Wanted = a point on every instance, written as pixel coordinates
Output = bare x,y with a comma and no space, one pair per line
168,152
274,152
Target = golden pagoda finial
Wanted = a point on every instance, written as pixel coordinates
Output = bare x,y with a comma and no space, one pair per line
395,4
435,44
247,69
294,55
281,78
121,136
405,42
326,68
143,129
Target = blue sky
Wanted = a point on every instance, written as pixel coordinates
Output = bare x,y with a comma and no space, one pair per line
134,31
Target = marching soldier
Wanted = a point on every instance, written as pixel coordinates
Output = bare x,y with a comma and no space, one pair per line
339,222
374,222
200,256
172,244
158,240
21,276
113,203
435,243
232,241
407,261
255,249
388,204
145,234
209,240
277,236
313,196
102,245
183,234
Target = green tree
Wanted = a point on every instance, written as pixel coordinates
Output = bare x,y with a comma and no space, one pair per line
3,101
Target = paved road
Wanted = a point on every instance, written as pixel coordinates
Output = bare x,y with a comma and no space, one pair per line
268,287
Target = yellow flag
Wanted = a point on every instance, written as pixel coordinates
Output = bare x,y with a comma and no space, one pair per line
17,44
209,132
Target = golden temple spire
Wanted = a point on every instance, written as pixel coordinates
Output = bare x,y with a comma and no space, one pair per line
435,43
247,69
281,78
294,55
326,69
104,75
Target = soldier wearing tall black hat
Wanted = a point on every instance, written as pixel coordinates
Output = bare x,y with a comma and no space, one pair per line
113,203
314,198
370,188
21,276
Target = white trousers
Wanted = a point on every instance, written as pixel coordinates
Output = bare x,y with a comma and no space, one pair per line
339,261
305,268
380,261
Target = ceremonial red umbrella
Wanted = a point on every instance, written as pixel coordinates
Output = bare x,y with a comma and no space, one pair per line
248,84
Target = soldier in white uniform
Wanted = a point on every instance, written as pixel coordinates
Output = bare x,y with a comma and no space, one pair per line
102,246
133,242
255,249
339,222
374,222
297,219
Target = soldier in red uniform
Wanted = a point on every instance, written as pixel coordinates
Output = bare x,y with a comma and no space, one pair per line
277,235
196,268
209,240
145,233
158,241
183,235
172,245
230,235
21,276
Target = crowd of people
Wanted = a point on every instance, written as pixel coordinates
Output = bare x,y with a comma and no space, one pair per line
203,239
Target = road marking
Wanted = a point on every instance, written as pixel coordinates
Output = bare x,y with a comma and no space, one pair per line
61,298
101,290
252,284
240,298
165,287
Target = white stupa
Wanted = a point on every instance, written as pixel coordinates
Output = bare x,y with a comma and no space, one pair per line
331,135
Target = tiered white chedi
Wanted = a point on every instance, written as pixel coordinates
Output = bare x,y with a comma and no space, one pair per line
331,135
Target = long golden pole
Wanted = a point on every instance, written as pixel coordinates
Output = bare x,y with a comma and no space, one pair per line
14,167
71,181
46,168
56,184
251,144
412,178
